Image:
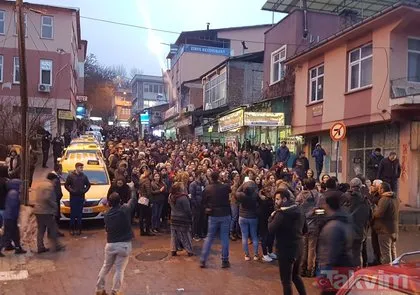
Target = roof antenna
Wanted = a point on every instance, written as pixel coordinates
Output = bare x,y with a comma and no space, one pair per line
208,26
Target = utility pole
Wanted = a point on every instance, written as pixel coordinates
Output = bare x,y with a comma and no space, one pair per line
23,100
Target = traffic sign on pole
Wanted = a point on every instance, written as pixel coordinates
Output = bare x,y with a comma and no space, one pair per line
338,131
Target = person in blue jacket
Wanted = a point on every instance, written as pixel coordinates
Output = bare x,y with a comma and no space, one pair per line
319,154
282,153
11,217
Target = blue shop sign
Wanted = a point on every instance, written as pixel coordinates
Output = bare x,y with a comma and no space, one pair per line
207,50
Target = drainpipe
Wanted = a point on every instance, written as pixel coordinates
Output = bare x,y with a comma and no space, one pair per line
305,19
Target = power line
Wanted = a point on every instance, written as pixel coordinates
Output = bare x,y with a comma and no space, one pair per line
129,25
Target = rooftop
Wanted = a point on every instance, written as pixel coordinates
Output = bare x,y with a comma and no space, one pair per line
364,8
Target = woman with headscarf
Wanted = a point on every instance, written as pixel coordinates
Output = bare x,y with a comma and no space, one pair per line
181,219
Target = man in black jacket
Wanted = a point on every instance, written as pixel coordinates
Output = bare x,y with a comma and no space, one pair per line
118,246
301,165
389,171
46,143
217,204
58,147
77,184
3,192
358,208
266,155
289,225
373,164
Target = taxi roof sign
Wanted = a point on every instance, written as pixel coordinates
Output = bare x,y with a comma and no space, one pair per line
93,162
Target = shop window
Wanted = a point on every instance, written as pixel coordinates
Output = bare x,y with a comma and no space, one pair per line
362,141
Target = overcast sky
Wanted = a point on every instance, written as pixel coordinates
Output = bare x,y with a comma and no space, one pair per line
134,47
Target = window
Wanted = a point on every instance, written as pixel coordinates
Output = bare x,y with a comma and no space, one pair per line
316,84
16,70
1,68
215,91
413,60
46,72
25,17
47,27
277,64
360,67
2,21
156,88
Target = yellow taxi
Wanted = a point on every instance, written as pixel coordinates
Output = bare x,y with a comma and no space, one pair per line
96,198
81,151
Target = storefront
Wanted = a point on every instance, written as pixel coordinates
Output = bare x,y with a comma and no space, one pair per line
355,149
184,127
231,126
65,120
170,130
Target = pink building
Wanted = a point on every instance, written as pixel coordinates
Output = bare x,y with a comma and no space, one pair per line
55,65
366,76
196,52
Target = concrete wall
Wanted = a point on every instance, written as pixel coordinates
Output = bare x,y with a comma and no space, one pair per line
239,35
244,83
290,31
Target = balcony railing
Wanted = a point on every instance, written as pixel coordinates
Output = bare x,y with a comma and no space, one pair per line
404,92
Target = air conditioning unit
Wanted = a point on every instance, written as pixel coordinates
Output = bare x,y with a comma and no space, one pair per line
208,106
190,108
44,88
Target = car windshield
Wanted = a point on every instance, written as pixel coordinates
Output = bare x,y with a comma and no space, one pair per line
95,177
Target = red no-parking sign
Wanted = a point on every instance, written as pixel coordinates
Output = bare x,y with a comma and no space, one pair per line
338,131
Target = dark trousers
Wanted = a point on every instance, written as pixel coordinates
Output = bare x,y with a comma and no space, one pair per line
319,167
56,156
45,153
11,233
46,222
364,254
31,175
267,239
290,272
356,250
145,215
198,226
76,211
375,246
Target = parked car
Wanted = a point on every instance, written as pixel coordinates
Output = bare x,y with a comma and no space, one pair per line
402,276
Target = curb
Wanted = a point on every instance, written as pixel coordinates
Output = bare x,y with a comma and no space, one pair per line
409,227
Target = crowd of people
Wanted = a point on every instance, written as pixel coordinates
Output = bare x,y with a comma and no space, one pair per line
196,190
199,190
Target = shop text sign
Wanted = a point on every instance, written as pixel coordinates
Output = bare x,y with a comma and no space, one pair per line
65,115
207,50
231,121
263,119
183,122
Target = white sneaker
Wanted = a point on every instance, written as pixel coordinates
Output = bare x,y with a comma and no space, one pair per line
267,258
272,256
247,258
256,258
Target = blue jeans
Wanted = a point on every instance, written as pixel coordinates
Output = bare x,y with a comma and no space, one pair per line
1,218
157,208
249,226
76,210
215,224
234,225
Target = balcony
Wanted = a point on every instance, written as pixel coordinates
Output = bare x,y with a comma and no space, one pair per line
404,93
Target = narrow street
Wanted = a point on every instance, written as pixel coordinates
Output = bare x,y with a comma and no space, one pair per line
74,271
